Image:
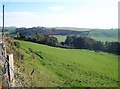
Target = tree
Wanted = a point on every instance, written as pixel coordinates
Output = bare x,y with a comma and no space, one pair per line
17,44
69,40
112,47
99,46
52,41
84,42
21,35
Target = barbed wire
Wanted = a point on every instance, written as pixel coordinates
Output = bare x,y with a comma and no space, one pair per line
19,81
6,67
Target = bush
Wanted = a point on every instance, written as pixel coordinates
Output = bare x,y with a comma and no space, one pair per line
17,44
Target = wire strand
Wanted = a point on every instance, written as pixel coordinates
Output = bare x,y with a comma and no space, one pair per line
15,74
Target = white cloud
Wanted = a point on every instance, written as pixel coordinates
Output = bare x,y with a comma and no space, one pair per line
56,8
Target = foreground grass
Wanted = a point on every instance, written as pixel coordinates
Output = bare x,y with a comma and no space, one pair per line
66,67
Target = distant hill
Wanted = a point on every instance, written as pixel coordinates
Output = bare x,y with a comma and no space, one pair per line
9,29
72,28
104,35
97,34
49,31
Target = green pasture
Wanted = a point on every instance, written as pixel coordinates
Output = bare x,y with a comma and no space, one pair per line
58,67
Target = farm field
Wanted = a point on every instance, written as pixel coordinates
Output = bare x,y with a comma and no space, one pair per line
102,39
99,35
72,28
104,35
60,38
55,67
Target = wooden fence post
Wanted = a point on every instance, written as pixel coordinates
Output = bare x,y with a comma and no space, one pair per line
11,69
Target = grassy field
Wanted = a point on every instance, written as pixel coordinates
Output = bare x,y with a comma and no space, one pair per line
104,35
60,38
70,28
104,39
55,67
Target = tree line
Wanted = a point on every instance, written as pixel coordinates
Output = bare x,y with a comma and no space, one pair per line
73,42
91,44
48,31
41,39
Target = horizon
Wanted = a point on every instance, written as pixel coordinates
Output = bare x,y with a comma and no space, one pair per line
61,27
55,27
77,14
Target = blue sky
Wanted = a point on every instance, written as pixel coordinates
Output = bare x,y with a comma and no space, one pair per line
61,13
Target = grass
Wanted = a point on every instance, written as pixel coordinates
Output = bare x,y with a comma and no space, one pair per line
104,35
104,39
72,28
66,67
97,34
60,38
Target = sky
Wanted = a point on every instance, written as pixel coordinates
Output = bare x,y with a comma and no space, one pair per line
61,13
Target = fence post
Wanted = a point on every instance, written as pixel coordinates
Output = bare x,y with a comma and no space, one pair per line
11,69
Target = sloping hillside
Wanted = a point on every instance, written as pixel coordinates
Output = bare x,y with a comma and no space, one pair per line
48,31
45,66
104,35
110,35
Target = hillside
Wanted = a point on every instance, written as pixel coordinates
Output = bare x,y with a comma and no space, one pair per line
72,28
9,29
48,31
61,32
104,35
51,67
97,34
